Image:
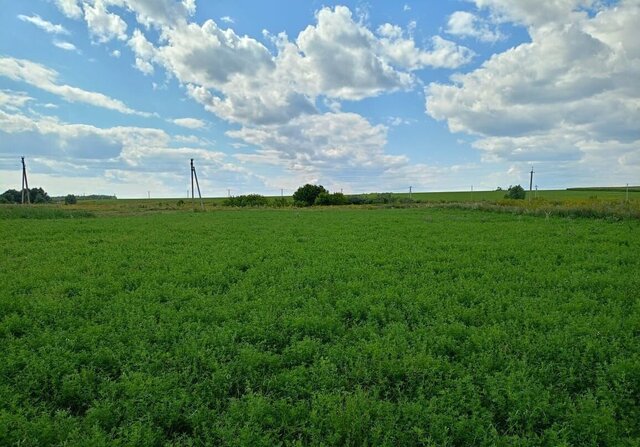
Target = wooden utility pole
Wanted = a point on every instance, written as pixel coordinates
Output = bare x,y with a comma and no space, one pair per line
25,184
194,176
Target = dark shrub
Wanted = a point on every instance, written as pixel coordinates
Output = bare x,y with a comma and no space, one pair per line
306,195
515,192
70,199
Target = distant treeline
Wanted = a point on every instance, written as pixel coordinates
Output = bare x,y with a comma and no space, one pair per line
89,197
323,199
36,195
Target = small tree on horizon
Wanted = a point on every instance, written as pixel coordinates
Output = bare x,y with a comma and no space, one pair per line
515,192
70,199
306,195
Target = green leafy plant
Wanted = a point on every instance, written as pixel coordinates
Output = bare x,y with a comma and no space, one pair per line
412,326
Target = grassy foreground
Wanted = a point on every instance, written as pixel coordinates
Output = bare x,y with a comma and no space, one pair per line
320,327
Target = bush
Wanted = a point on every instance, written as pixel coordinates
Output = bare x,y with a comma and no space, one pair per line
39,195
36,195
515,192
306,195
248,200
324,198
356,200
12,196
70,199
280,202
381,198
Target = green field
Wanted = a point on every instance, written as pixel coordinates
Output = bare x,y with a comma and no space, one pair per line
617,193
417,326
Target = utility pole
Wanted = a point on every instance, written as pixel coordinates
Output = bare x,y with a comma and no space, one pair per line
25,184
531,183
228,192
194,176
148,194
410,192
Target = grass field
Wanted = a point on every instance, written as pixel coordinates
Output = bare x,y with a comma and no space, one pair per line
455,196
418,326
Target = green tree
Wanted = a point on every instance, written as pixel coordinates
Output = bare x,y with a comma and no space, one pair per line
324,198
12,196
39,195
515,192
306,195
70,199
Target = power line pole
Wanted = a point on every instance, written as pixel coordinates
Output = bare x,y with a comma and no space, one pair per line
410,192
194,176
192,168
531,183
228,192
25,184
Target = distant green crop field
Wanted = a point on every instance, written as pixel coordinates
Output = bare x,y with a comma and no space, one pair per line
556,194
123,205
416,326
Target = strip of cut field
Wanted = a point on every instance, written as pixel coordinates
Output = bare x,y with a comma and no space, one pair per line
320,327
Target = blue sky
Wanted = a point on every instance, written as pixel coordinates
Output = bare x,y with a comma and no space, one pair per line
115,96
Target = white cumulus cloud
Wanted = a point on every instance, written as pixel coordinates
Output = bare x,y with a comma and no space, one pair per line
573,88
104,25
466,24
69,8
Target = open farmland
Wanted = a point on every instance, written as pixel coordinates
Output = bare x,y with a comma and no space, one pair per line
320,327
